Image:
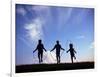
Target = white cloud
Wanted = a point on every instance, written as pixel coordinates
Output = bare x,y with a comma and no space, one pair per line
91,45
43,12
34,29
21,11
80,37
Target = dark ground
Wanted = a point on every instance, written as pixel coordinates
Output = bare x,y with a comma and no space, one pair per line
53,67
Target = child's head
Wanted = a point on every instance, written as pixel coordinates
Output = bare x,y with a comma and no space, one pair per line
71,45
39,41
57,42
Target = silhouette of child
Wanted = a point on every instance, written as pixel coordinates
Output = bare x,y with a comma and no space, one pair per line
58,48
40,48
72,52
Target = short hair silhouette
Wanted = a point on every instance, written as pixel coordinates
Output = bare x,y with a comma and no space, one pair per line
58,48
71,45
39,41
57,42
40,48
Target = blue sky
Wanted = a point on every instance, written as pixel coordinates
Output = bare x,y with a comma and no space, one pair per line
51,23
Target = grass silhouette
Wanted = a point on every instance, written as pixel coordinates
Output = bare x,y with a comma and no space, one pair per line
54,67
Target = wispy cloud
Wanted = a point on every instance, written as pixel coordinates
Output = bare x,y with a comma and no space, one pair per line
43,12
80,37
91,45
34,29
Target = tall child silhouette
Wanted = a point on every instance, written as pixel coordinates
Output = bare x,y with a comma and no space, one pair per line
40,48
58,48
72,52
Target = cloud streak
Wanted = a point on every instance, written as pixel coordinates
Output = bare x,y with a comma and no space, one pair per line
64,17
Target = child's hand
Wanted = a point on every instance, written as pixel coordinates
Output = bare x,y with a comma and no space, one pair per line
75,52
33,51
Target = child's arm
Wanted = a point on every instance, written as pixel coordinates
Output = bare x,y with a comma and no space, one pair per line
67,51
63,49
43,47
35,50
53,48
75,51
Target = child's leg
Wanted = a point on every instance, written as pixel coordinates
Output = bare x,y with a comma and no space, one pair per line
57,58
72,59
39,57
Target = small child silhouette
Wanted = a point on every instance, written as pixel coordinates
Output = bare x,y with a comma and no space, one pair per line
72,52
